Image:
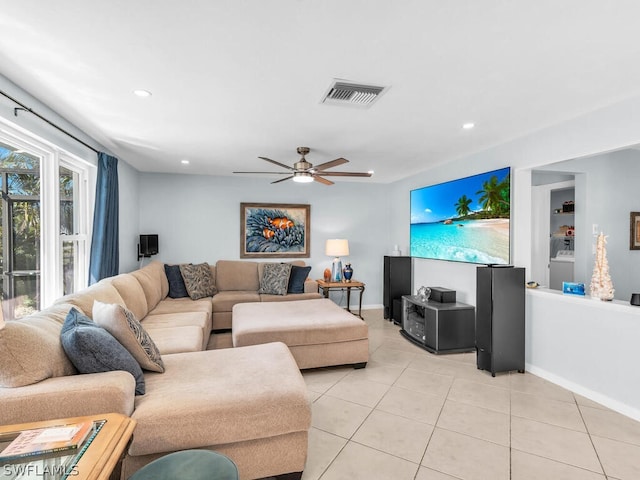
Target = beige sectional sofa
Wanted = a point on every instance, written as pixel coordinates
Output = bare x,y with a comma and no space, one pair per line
239,282
248,402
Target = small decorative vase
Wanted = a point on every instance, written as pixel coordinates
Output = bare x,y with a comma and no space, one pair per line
327,274
348,272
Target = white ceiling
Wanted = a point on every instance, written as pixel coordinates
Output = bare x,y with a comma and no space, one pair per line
236,79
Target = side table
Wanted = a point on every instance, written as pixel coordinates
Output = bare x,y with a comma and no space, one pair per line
326,287
96,459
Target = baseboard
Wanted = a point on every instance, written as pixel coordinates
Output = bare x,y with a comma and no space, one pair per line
597,397
371,306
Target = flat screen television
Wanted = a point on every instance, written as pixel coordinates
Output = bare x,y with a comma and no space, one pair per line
463,220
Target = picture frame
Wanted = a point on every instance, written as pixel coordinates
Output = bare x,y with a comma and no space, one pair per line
275,230
634,231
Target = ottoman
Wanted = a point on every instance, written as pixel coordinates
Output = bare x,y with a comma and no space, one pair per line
249,404
318,332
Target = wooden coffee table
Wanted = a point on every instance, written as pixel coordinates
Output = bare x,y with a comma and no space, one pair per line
95,460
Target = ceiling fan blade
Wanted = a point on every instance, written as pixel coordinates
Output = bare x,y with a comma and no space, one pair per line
283,179
270,173
276,163
332,163
322,180
346,174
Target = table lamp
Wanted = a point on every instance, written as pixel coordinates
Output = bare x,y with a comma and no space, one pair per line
336,247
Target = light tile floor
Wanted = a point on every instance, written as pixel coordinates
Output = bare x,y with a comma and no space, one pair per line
411,415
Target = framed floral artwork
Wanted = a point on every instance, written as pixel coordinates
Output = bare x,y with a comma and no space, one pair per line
274,230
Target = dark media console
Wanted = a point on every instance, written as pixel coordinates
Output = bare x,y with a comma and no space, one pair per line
438,327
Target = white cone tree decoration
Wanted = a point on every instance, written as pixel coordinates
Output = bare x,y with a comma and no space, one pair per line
601,285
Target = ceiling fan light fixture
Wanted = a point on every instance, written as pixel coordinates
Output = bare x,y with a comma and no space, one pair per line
302,177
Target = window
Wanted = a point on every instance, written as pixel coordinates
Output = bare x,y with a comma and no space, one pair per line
73,227
43,223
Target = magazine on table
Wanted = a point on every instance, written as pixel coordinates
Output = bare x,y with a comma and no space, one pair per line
41,441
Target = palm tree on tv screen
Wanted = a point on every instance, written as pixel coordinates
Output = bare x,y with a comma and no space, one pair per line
462,207
494,196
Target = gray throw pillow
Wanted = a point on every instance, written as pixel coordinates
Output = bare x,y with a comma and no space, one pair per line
198,280
275,278
92,349
125,327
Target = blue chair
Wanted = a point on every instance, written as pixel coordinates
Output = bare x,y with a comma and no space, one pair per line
189,464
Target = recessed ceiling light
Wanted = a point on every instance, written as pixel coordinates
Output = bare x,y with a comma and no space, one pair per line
468,126
184,162
142,93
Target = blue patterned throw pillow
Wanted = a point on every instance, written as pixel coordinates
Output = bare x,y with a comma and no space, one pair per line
92,349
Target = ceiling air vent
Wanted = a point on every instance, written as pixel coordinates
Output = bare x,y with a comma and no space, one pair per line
352,94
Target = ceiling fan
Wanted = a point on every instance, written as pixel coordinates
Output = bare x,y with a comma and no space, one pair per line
304,172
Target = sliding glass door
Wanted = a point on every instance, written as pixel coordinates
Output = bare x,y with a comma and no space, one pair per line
20,211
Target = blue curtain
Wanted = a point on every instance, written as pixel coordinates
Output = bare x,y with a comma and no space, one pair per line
104,261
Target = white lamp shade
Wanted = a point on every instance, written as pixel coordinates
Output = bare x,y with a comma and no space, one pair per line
337,247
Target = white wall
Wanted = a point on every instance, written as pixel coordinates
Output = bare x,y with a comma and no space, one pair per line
129,216
608,187
588,346
197,219
608,129
605,130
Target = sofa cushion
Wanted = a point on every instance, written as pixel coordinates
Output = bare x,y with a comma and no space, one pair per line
237,275
180,319
202,320
224,301
179,305
154,283
131,292
177,288
296,279
181,339
125,327
103,291
290,297
30,348
92,349
275,278
198,280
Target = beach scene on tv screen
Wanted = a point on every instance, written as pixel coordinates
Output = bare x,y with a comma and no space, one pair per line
464,220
